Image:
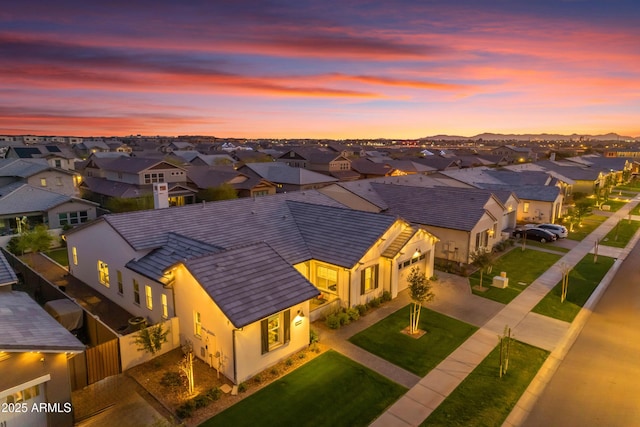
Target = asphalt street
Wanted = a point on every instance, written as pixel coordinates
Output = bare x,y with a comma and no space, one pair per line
598,382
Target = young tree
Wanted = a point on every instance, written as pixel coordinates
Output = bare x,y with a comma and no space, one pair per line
36,239
420,292
150,339
482,259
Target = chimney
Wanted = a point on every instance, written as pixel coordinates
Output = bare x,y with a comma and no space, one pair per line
160,195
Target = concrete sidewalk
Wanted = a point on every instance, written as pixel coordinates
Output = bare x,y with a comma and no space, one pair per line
550,334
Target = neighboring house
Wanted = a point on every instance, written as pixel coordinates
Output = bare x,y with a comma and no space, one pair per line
320,160
34,353
246,276
287,178
133,177
177,146
463,219
89,146
38,173
514,154
368,169
57,156
407,167
39,206
204,177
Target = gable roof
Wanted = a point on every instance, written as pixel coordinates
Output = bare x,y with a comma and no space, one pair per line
446,207
128,164
281,173
28,198
22,168
25,326
7,275
251,282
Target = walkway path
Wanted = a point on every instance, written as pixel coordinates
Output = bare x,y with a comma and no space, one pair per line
427,393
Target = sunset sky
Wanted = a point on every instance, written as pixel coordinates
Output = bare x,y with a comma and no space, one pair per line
319,69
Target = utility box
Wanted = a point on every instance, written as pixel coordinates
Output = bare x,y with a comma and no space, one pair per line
500,282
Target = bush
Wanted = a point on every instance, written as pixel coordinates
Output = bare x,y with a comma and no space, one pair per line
186,409
353,313
313,336
171,379
343,318
274,371
332,321
257,379
302,355
288,362
200,401
14,246
242,387
362,309
386,296
213,394
374,303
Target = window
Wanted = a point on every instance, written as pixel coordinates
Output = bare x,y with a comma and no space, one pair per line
369,279
22,395
58,163
525,207
327,278
58,181
197,324
482,239
148,296
136,292
120,287
73,218
43,182
150,178
261,193
103,273
275,331
165,307
74,254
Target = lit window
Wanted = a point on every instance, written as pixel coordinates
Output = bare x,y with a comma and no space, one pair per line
43,182
149,296
120,287
327,278
136,292
369,279
275,331
525,207
103,273
197,324
165,307
74,254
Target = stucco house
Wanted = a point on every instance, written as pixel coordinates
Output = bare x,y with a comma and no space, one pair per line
246,276
34,353
39,173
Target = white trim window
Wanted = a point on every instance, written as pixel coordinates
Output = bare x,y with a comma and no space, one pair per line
103,273
136,292
275,331
165,306
148,293
197,324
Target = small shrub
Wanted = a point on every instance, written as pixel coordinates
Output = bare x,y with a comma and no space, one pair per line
434,278
511,242
313,336
386,296
274,371
200,401
362,309
288,362
242,387
374,303
257,379
332,321
353,314
186,409
343,318
171,379
213,393
302,355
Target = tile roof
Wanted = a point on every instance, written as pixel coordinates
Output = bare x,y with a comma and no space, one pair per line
27,198
281,173
114,188
22,168
25,326
399,242
543,193
446,207
176,248
7,275
251,282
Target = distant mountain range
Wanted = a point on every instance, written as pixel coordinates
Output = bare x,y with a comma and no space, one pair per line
532,137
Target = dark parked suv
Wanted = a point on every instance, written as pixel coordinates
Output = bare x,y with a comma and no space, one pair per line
536,234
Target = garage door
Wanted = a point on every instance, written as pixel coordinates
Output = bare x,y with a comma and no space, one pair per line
405,267
17,406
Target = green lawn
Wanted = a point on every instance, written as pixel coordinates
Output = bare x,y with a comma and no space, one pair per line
59,256
485,399
636,210
629,186
615,205
583,279
330,390
385,339
589,224
520,266
549,245
621,233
